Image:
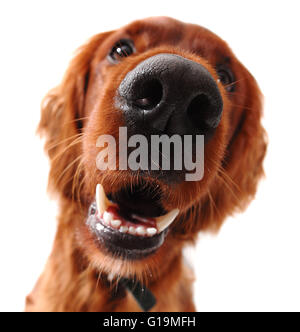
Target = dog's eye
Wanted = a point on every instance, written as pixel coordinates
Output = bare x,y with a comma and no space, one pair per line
122,49
226,77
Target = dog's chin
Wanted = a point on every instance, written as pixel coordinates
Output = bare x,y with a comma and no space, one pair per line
130,224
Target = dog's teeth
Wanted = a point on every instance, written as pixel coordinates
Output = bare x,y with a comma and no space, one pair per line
141,230
115,223
123,229
107,218
151,231
132,230
164,221
99,227
101,200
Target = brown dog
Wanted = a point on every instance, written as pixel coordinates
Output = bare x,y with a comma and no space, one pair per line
154,76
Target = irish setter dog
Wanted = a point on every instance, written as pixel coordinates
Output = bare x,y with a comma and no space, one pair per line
121,232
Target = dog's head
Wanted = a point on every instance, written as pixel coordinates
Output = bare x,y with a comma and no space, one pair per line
153,77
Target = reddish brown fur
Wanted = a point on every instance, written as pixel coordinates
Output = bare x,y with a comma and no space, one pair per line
75,275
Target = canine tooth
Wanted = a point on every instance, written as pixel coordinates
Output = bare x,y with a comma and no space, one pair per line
107,218
132,230
123,229
115,223
141,230
164,221
101,200
151,231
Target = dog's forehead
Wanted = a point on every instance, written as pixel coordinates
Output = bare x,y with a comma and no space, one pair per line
156,31
154,25
161,20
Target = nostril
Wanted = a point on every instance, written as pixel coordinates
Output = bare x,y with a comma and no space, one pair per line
201,111
149,95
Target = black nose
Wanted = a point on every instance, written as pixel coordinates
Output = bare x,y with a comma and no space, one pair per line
170,94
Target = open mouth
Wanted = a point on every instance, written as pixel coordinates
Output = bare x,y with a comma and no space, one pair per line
130,224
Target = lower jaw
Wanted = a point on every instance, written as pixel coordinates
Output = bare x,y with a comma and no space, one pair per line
123,245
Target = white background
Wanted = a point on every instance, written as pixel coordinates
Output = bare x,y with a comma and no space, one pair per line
253,263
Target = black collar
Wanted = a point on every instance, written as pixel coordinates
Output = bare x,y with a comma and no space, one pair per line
143,296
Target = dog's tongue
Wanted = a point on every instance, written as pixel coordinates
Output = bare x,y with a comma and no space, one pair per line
104,205
131,218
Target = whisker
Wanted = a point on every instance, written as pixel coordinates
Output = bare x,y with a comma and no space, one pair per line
226,179
76,120
68,167
222,172
75,182
228,186
52,146
212,202
75,142
235,82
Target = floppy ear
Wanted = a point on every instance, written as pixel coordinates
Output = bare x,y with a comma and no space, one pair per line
242,167
61,119
248,147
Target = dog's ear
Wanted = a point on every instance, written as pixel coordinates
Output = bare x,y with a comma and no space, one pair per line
242,166
62,118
